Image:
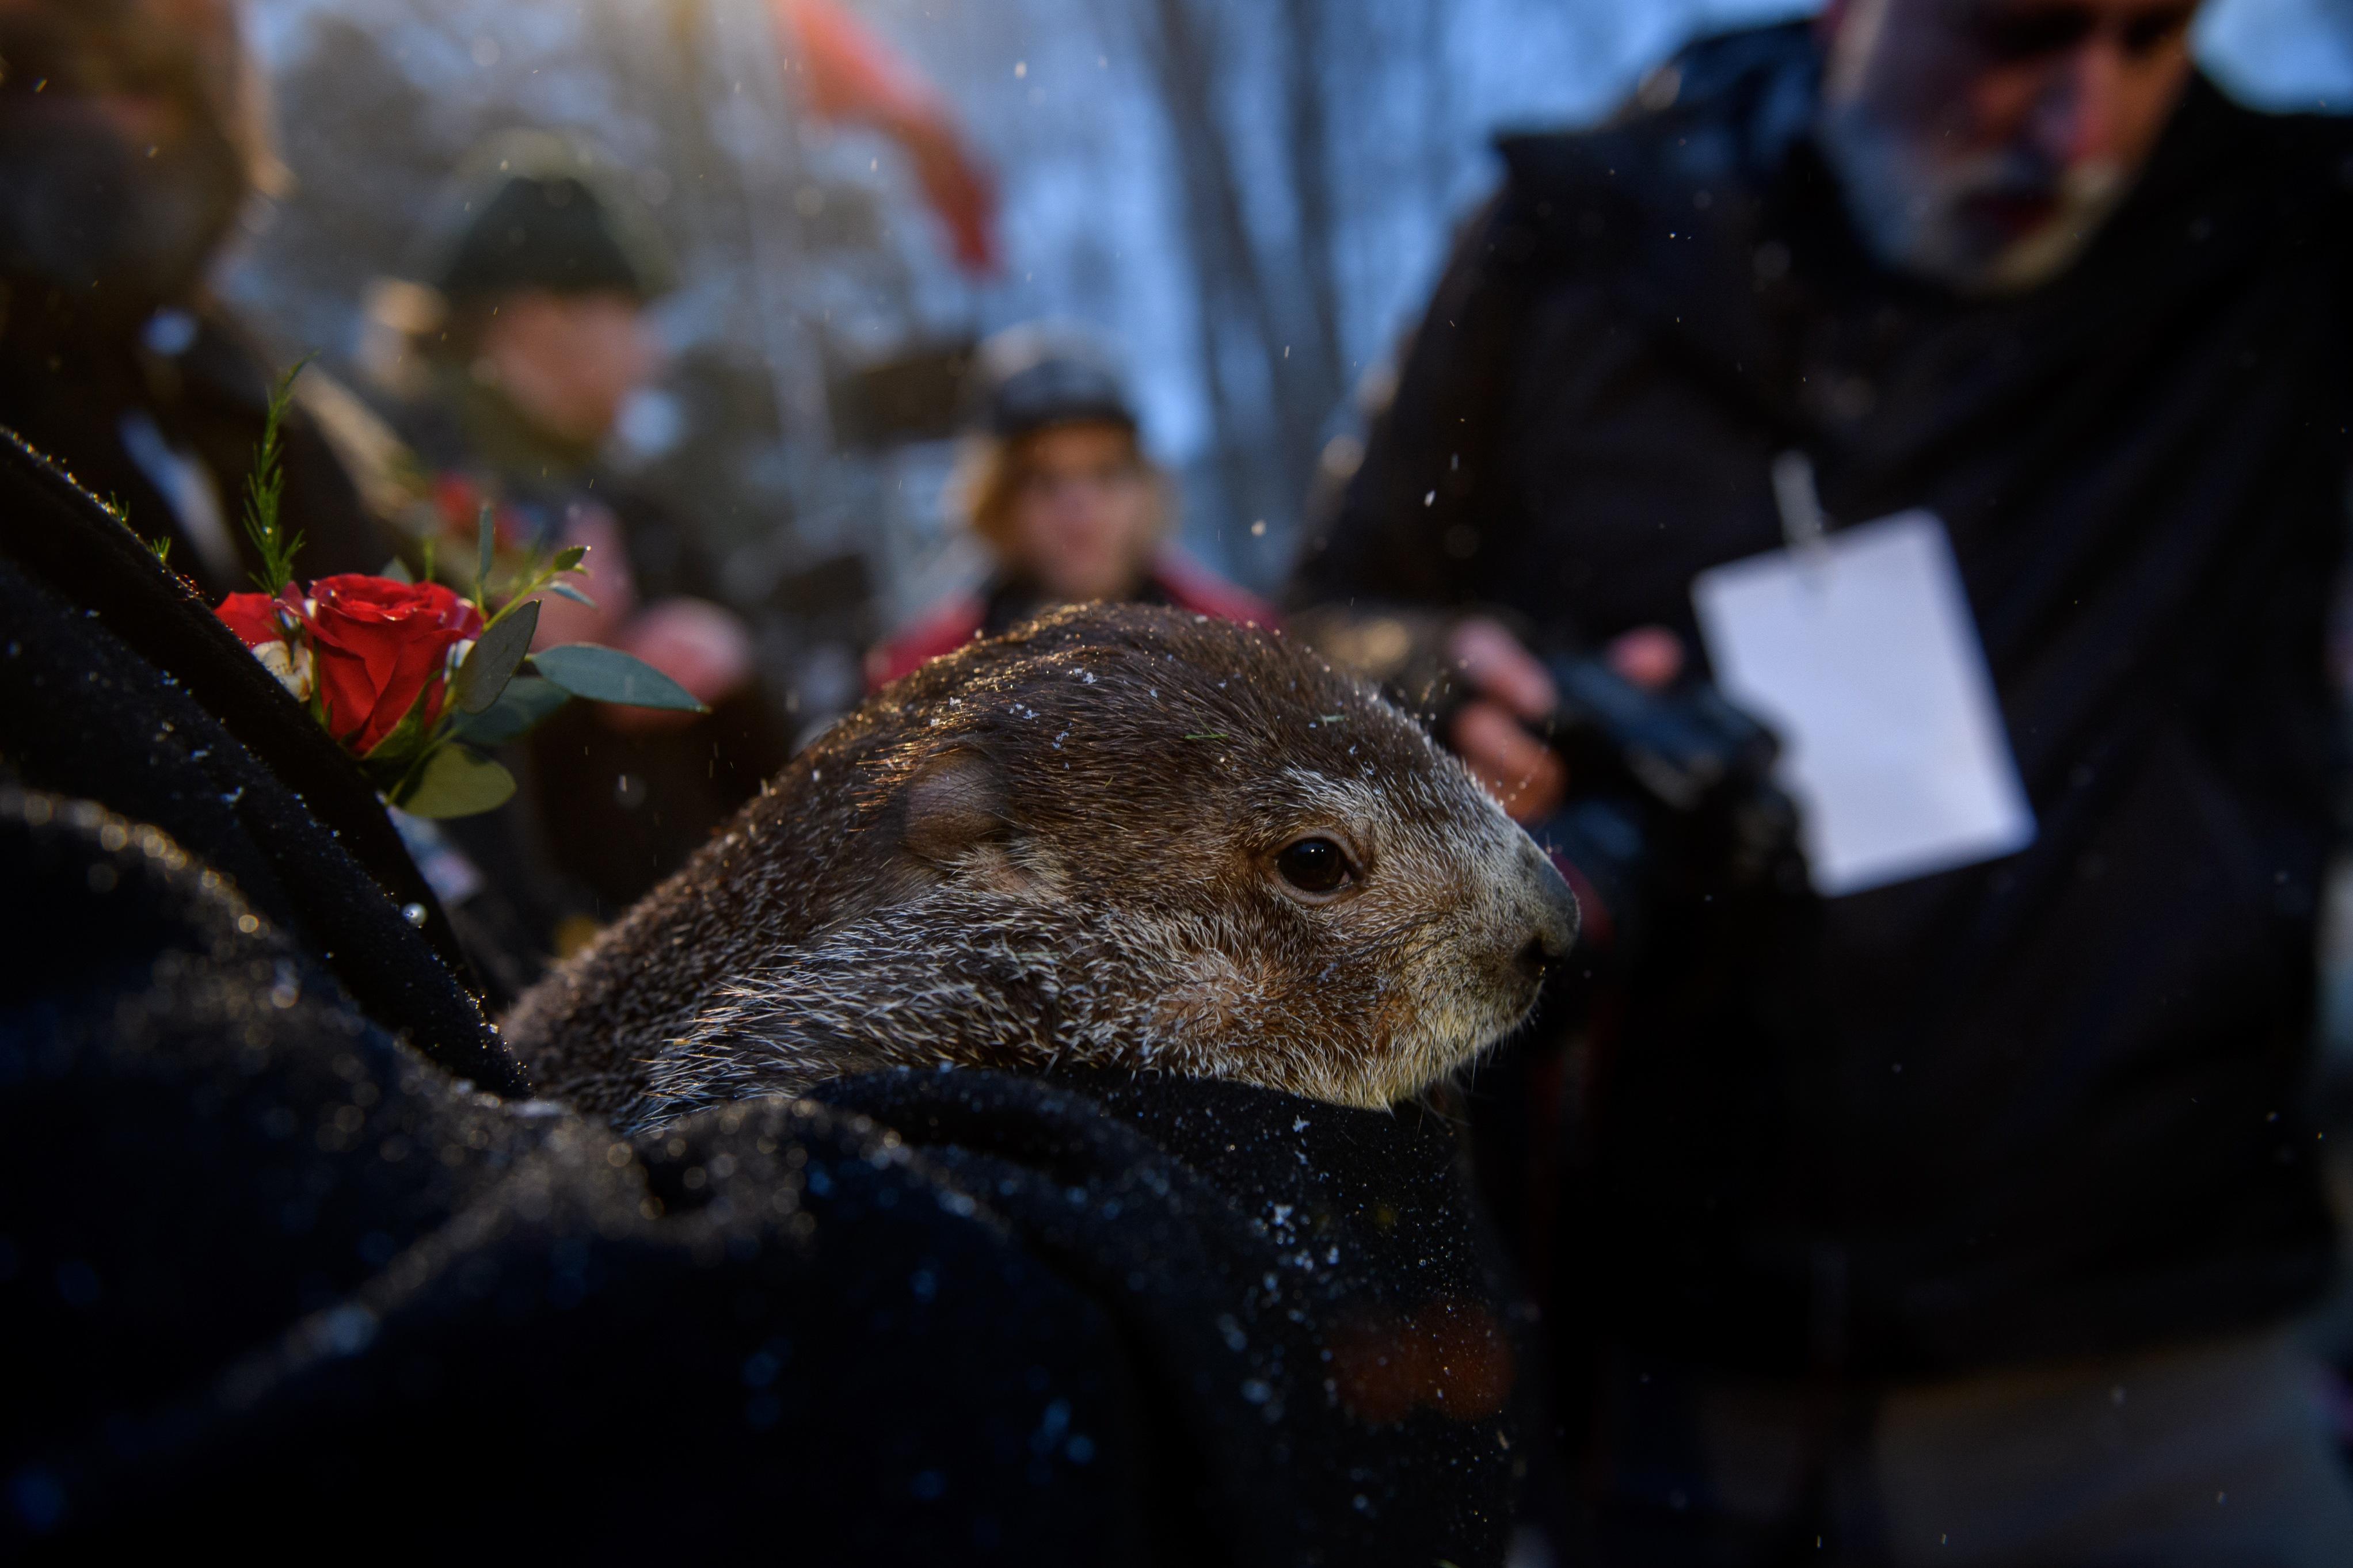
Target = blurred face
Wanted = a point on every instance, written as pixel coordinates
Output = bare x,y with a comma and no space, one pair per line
118,173
1982,142
1085,514
570,361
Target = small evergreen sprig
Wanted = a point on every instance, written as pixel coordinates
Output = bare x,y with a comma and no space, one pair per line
265,491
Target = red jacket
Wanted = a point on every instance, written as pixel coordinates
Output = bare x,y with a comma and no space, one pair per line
1175,581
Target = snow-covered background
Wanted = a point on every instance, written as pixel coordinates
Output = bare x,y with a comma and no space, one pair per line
1349,134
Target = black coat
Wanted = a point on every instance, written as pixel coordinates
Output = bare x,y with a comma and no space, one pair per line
207,398
2041,1106
273,1270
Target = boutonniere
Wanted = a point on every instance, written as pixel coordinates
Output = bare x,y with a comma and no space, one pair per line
412,679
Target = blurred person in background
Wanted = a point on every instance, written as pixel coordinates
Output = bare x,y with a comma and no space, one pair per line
1964,1218
1058,490
547,265
133,133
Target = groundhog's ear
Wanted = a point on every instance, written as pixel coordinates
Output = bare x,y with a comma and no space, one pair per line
955,803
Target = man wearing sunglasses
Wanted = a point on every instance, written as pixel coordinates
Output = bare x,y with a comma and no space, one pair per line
1962,1217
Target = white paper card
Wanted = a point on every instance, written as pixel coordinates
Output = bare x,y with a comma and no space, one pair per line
1861,654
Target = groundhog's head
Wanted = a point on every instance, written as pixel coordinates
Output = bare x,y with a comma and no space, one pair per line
1120,836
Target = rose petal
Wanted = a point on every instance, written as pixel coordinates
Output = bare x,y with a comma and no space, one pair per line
383,649
253,618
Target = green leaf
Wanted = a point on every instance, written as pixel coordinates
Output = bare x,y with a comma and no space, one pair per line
489,538
402,742
496,655
455,782
608,675
566,590
526,701
396,571
570,557
265,487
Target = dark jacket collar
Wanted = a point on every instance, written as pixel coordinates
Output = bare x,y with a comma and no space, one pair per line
1715,222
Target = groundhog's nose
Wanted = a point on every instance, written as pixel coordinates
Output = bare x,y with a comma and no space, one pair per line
1553,909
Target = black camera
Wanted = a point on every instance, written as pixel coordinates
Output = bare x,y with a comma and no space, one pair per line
1671,807
1671,802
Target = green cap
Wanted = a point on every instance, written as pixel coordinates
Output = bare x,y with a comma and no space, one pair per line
532,210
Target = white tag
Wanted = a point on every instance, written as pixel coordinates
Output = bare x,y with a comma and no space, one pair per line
1861,652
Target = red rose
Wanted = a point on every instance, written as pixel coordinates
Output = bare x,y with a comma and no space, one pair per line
382,646
253,618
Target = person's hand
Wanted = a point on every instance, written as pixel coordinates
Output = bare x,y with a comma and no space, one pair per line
696,643
1490,731
1649,657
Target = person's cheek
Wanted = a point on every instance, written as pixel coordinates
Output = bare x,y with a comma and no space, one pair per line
1041,537
1081,528
1124,546
2150,93
1999,108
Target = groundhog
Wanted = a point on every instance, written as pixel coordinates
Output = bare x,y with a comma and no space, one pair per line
1129,837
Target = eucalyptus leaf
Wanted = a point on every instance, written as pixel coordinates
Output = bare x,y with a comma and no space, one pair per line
489,535
396,571
455,782
495,656
521,707
570,556
608,675
566,590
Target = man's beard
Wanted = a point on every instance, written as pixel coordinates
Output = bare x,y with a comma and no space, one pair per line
99,229
1951,219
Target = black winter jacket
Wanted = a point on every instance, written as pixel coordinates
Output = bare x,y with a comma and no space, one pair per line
274,1267
206,397
2041,1106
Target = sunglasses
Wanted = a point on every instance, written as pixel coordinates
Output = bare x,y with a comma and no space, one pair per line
2022,34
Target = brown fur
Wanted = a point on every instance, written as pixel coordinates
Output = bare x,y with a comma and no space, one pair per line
1058,846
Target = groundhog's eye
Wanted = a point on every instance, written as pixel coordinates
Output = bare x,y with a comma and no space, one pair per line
1314,865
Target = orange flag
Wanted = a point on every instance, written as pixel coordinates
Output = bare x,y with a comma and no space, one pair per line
849,76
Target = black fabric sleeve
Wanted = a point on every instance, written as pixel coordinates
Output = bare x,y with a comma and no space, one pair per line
1429,463
117,683
291,1283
